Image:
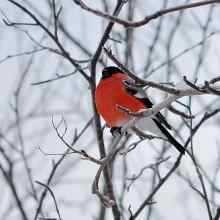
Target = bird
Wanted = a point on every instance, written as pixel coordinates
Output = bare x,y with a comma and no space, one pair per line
112,93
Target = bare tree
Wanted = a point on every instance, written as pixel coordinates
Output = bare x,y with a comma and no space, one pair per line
58,159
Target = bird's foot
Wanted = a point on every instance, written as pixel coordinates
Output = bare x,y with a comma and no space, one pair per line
116,131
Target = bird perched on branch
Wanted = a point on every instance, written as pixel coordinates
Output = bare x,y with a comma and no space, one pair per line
112,96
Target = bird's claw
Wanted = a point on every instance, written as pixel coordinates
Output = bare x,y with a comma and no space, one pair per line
116,131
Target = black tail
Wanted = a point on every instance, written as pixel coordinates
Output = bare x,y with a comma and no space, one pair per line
170,138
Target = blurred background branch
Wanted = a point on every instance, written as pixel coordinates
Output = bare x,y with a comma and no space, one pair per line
52,54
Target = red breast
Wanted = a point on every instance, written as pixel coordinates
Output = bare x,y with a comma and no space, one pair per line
110,93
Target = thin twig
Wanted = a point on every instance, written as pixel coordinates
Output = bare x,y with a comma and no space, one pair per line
52,195
163,180
52,37
137,79
147,19
55,167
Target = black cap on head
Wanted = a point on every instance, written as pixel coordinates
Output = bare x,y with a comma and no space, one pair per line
109,71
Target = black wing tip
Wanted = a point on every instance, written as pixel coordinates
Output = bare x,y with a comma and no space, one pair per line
170,138
180,148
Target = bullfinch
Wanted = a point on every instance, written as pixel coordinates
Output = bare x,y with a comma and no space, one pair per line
112,93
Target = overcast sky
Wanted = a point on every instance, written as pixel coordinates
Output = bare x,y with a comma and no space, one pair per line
70,98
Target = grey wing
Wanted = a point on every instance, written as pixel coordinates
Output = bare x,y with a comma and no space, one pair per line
159,117
147,102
